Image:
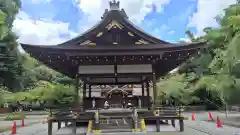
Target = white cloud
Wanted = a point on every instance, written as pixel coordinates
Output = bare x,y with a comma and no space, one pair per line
42,32
40,1
45,32
135,9
207,10
187,40
171,32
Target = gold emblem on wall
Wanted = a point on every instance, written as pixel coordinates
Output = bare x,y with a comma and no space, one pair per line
99,34
141,42
114,24
88,42
130,34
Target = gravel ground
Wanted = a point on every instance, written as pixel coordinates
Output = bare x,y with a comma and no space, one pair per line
188,131
28,121
41,129
27,113
36,129
199,124
211,128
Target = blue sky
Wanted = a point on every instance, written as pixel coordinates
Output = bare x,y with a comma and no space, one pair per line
166,19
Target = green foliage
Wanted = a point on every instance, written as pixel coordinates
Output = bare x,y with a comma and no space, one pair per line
45,93
11,74
216,69
14,116
178,88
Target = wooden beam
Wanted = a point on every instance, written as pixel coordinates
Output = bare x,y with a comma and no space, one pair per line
116,83
118,75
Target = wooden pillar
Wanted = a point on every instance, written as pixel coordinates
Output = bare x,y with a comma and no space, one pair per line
76,90
143,90
148,94
84,89
59,125
143,95
154,89
89,90
74,127
84,93
173,122
158,125
50,127
181,125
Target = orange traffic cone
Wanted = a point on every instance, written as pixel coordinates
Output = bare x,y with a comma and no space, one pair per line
210,116
219,123
14,128
193,116
23,123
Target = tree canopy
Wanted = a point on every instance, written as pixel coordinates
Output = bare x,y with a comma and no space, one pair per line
215,70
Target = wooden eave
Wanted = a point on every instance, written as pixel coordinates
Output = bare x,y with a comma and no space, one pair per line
111,50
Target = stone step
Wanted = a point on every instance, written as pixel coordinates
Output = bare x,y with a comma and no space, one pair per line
116,130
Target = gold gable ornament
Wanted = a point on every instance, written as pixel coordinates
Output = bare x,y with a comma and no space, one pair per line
99,34
141,42
85,42
114,24
91,44
130,34
88,43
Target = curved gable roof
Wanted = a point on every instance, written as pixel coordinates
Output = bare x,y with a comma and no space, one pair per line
121,17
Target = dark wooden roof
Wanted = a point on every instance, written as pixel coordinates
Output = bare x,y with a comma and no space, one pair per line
113,36
67,61
149,49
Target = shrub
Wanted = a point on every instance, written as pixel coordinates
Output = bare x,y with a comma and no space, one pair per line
15,117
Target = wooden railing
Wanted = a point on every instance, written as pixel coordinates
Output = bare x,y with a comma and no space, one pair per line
162,111
65,111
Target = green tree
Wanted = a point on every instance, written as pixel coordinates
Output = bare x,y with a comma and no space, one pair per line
11,76
216,68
